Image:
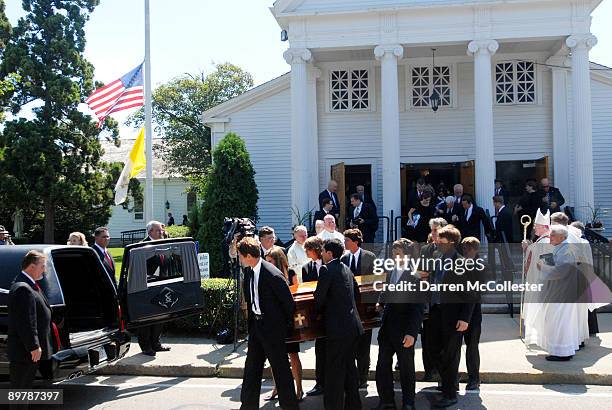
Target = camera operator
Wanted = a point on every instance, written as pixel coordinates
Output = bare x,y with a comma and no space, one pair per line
5,238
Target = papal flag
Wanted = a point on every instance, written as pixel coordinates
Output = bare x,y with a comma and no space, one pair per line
135,163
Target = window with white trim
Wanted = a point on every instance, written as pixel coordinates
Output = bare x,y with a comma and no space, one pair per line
515,82
425,80
349,90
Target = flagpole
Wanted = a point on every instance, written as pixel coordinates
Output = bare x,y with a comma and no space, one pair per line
148,195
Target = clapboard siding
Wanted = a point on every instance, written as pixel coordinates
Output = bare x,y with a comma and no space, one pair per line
266,128
171,190
602,147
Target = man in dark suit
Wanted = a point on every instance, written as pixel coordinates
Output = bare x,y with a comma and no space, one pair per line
330,193
446,209
550,197
149,336
449,314
270,309
361,262
363,217
365,198
402,315
335,298
101,241
328,207
500,190
470,247
415,195
502,222
458,194
310,273
471,217
29,322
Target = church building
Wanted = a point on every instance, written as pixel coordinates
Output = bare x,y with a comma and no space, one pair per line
383,92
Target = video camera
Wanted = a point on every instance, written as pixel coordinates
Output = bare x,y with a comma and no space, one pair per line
242,226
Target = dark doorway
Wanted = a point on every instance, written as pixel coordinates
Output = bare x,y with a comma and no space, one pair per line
515,174
358,175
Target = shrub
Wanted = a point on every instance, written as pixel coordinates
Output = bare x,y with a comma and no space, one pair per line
178,231
229,191
218,310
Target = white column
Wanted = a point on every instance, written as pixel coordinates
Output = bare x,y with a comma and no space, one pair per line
298,59
483,50
313,139
561,153
583,128
389,55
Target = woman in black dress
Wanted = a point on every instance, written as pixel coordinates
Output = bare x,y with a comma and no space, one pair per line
419,217
276,256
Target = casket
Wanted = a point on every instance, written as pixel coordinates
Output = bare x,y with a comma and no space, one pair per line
308,325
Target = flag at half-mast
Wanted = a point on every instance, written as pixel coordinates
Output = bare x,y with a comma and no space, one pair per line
121,94
135,163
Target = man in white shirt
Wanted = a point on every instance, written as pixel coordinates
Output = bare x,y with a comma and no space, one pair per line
101,241
267,237
330,230
296,255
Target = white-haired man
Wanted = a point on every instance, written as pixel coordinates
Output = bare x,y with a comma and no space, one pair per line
558,323
329,231
296,255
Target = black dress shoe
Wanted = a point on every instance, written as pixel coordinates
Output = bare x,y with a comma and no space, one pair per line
581,346
553,358
444,403
316,391
161,348
149,353
473,385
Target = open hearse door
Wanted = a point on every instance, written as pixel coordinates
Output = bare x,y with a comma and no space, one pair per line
160,281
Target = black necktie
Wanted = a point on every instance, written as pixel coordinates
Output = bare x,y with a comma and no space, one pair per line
353,264
251,274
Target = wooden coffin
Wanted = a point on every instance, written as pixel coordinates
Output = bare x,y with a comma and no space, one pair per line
308,325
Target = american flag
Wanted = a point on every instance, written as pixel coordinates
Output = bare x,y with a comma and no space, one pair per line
121,94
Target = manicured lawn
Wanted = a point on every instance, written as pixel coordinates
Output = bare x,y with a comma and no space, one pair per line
117,254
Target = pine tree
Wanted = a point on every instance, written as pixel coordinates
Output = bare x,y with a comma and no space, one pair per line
229,191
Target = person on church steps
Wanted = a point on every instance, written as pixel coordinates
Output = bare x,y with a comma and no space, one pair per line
270,309
361,262
550,197
415,195
528,204
450,313
470,247
365,198
400,323
502,222
326,209
458,195
446,209
335,297
310,273
500,190
330,192
363,217
470,218
420,215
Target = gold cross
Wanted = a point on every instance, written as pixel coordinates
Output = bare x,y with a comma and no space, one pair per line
299,318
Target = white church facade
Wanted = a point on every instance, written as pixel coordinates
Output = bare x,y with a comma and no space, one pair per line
518,99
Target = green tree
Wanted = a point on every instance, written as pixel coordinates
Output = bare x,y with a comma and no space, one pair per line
229,191
51,164
7,85
177,108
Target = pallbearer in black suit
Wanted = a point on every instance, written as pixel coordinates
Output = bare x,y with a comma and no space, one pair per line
361,262
449,313
362,216
402,315
310,273
335,299
149,336
470,247
270,312
29,322
101,241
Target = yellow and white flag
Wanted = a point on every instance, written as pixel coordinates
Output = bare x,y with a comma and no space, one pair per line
135,163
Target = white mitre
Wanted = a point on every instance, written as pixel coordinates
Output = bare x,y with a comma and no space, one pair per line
542,219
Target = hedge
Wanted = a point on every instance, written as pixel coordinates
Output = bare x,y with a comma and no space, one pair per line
218,299
178,231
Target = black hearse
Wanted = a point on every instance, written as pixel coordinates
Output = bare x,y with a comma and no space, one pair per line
159,282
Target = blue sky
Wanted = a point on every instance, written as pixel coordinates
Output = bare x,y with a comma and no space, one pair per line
188,36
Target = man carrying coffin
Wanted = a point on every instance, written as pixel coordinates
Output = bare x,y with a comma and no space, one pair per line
402,315
335,297
270,310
